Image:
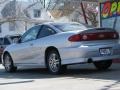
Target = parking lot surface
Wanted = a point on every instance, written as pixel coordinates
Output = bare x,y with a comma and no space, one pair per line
78,77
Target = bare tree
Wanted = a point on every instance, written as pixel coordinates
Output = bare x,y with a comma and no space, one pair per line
92,12
60,8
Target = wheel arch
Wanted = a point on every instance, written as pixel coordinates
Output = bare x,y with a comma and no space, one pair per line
49,49
6,52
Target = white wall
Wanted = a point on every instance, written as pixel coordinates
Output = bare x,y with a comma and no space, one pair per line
44,13
20,29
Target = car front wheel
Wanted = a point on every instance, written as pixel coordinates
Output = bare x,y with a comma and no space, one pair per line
8,63
54,63
103,65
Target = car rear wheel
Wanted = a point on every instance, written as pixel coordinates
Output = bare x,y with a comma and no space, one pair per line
54,63
8,63
103,65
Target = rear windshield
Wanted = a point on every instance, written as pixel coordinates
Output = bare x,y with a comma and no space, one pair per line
71,26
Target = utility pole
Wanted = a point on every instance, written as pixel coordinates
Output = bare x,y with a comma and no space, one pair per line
85,18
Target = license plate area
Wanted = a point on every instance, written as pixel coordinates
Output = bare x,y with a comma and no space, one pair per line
105,51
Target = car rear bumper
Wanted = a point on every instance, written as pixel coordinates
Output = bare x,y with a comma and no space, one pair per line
86,60
83,54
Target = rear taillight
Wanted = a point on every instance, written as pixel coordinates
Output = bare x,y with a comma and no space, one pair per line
94,36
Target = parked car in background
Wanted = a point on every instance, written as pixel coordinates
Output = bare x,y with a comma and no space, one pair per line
55,45
7,40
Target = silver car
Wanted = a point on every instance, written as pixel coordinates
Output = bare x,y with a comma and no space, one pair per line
55,45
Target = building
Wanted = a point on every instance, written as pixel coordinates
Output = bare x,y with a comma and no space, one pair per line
18,16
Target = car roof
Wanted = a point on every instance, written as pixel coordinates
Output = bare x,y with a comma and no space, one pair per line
63,23
54,24
60,23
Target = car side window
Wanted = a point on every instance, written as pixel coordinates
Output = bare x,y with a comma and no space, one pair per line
46,31
31,34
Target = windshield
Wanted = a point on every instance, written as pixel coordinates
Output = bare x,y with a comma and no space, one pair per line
71,26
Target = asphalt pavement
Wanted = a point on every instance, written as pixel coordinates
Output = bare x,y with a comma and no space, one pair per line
77,77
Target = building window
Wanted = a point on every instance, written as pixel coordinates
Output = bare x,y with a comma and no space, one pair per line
11,26
37,13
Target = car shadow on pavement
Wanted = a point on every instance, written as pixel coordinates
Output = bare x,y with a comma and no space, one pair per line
77,72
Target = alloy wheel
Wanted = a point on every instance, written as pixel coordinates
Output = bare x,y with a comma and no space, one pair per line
7,63
54,62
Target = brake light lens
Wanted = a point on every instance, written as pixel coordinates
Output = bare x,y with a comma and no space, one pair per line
94,36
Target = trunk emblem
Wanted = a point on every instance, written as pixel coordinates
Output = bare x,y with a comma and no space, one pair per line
114,36
101,36
85,37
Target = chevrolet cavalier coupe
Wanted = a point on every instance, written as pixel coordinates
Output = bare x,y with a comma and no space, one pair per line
55,45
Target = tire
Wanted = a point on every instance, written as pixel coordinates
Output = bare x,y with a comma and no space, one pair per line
103,65
8,63
53,62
